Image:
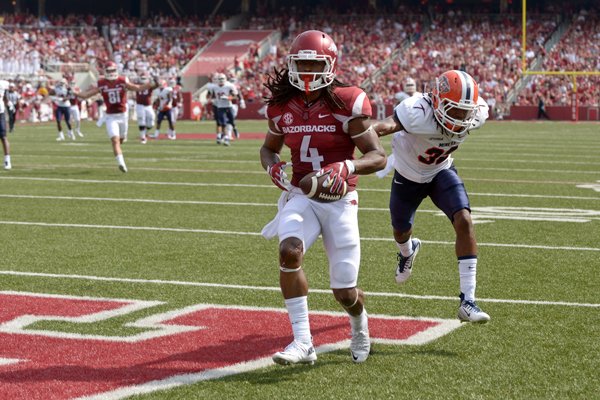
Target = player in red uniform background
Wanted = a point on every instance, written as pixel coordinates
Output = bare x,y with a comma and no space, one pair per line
143,108
113,89
322,121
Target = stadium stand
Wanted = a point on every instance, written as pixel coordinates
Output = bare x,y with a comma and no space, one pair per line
378,48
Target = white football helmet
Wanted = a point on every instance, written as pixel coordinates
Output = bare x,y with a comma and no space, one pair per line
410,86
110,71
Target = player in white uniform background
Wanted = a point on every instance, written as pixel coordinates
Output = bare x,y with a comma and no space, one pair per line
3,107
223,94
430,127
164,97
60,97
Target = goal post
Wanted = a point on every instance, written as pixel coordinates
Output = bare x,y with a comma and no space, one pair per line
572,74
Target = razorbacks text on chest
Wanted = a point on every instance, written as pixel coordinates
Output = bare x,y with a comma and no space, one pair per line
317,134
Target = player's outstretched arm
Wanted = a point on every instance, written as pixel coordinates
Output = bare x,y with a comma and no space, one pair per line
364,136
387,126
88,93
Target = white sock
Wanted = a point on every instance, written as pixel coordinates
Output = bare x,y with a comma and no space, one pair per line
467,269
297,308
406,248
359,322
143,133
156,132
7,158
120,159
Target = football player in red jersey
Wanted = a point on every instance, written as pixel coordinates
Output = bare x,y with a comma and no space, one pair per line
322,121
113,89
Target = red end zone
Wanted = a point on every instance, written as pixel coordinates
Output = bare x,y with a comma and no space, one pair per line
199,342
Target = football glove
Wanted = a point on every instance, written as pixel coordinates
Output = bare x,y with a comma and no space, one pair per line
278,175
242,104
338,174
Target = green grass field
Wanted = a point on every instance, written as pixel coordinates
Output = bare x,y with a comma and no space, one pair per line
188,212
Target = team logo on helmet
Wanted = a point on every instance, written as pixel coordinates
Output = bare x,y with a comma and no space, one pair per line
444,84
332,48
288,118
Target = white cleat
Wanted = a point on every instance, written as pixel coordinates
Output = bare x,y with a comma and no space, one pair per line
143,140
7,165
79,134
296,353
360,346
71,135
405,264
468,311
60,138
123,168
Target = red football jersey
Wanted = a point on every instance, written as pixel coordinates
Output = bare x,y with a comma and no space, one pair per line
114,94
317,134
177,97
144,97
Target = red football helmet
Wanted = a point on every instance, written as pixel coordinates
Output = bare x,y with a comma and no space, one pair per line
110,71
315,46
455,102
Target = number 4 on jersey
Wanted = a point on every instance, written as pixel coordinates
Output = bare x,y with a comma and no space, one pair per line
310,154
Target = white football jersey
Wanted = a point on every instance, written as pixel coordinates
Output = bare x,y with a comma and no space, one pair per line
3,87
421,150
165,98
222,94
61,96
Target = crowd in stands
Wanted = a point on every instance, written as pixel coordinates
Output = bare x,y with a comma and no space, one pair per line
377,51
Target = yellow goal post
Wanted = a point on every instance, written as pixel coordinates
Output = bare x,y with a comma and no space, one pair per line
572,74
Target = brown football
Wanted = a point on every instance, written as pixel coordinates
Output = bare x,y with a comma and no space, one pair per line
312,186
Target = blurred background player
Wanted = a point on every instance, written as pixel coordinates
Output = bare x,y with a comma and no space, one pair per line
431,126
143,108
211,104
237,103
165,106
75,109
113,89
409,88
60,98
4,85
224,93
177,103
13,100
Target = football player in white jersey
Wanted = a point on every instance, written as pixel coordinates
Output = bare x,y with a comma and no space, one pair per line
60,97
428,128
224,93
165,107
4,85
409,88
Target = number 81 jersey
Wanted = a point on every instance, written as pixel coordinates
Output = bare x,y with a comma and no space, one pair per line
114,94
316,133
422,150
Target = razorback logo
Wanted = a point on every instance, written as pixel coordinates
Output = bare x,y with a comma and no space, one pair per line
196,343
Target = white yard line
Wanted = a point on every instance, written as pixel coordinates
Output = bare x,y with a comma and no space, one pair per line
277,289
220,232
159,201
270,186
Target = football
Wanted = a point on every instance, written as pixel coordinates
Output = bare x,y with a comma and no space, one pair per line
312,186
